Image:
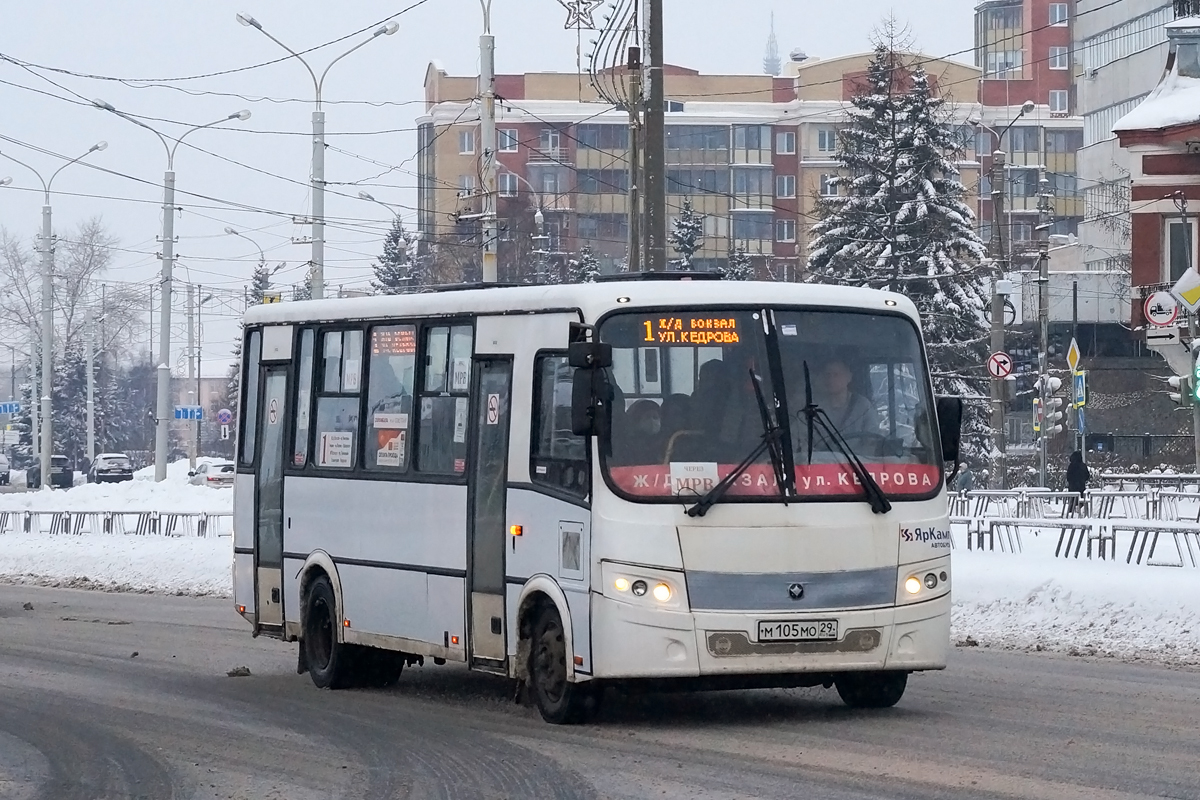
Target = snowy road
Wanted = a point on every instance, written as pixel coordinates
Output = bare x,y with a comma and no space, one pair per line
82,717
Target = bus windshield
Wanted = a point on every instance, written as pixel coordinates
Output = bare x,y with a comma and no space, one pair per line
685,412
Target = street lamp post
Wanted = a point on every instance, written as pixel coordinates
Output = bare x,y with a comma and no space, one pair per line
262,258
318,152
396,217
163,413
1000,291
47,248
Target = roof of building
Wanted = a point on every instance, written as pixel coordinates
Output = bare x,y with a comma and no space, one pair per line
1175,101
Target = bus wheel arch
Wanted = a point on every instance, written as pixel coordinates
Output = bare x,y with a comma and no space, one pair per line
540,591
318,565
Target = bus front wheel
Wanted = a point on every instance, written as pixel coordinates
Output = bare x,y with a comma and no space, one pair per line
871,689
330,662
560,701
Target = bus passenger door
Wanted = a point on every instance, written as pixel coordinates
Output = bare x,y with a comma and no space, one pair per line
268,503
487,505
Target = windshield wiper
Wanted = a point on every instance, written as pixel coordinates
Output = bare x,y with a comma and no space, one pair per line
817,417
771,439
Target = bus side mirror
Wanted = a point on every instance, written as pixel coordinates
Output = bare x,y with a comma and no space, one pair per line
591,395
590,355
949,415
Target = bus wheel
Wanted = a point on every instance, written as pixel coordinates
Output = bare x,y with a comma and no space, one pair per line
380,668
871,689
330,663
559,701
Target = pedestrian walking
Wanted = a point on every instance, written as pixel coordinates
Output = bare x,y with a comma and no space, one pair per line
966,479
1078,476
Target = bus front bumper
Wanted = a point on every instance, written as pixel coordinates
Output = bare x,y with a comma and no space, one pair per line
630,641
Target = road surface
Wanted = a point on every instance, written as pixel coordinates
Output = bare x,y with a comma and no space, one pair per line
126,696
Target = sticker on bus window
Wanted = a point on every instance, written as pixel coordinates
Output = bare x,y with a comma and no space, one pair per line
693,476
350,375
460,465
337,449
787,330
302,403
391,449
460,379
383,420
460,419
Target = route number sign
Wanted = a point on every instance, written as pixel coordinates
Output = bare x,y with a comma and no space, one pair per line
1000,365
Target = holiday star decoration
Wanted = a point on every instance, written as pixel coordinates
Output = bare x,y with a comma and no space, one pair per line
579,13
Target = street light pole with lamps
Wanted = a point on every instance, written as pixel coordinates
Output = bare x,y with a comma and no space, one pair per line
1001,289
318,152
163,414
47,380
396,217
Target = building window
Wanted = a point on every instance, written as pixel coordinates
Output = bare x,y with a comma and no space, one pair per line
1002,62
1064,141
1180,251
697,137
466,184
751,137
827,140
698,180
752,182
1024,140
603,181
828,186
1059,58
509,184
1060,100
558,458
550,140
466,142
1004,19
508,140
445,403
785,143
785,230
785,186
603,137
1058,13
752,225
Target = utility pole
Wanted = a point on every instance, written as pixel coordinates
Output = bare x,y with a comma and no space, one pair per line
634,65
1000,259
1079,438
542,251
487,145
1043,234
200,300
47,386
655,145
35,448
191,328
90,341
1193,328
163,422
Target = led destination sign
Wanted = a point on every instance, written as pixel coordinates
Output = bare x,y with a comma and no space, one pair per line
691,330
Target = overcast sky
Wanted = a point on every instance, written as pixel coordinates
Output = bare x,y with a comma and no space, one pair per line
372,99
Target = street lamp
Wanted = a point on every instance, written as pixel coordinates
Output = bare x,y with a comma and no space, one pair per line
47,378
262,258
318,152
1001,288
162,424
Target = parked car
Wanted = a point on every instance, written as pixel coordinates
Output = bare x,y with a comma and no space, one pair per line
110,468
61,473
5,470
217,474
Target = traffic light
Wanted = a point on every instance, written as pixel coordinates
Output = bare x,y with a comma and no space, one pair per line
1196,378
1052,410
1181,393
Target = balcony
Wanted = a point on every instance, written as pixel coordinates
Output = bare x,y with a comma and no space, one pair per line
549,155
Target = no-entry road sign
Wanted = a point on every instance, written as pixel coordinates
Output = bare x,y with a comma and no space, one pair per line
1000,365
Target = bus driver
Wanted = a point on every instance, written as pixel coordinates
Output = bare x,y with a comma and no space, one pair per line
851,413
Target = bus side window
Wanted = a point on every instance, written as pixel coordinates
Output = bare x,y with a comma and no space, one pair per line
390,383
249,413
444,404
558,458
338,402
303,399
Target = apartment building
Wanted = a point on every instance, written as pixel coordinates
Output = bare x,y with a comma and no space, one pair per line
1023,48
753,154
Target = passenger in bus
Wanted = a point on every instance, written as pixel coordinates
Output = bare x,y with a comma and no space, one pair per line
640,441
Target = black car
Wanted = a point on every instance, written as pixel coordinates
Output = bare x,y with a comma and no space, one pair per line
61,473
110,468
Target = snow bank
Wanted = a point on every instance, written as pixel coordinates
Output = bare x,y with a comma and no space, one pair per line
140,494
119,563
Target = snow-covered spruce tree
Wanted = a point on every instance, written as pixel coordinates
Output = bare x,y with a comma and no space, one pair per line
687,234
260,282
739,266
392,267
900,222
585,268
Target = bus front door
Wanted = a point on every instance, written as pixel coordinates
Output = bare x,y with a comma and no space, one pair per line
268,505
486,499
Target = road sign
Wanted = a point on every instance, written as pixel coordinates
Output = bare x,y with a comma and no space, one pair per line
1073,355
10,408
1037,415
272,297
224,433
224,416
1079,420
189,412
1080,389
1161,309
1187,289
1000,365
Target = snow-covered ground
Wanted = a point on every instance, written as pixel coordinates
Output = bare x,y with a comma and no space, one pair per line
1025,601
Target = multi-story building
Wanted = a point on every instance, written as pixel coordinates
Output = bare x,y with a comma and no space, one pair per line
1023,48
1120,50
753,154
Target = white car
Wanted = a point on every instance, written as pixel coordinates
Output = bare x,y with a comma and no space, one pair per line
217,474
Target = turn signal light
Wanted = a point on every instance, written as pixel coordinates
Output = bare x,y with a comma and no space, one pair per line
346,623
453,640
912,585
516,530
241,609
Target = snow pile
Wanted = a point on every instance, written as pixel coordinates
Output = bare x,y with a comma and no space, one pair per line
119,563
128,496
177,471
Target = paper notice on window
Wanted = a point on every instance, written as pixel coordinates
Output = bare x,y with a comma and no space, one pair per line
460,419
693,477
460,379
383,420
788,330
391,450
350,375
337,449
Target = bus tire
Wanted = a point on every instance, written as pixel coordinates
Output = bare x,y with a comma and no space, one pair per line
379,668
331,664
871,689
560,701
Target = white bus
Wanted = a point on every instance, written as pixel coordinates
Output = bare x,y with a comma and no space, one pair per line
700,484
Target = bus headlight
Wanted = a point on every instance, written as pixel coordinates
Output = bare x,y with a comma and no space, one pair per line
639,588
649,587
662,593
912,585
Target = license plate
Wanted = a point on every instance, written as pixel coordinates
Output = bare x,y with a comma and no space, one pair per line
810,630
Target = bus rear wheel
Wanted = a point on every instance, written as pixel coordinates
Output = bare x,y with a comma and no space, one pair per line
560,701
871,689
331,664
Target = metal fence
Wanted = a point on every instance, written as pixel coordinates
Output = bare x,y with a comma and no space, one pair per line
133,523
